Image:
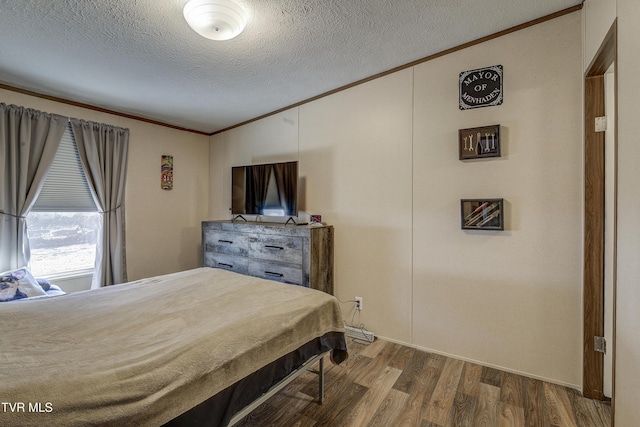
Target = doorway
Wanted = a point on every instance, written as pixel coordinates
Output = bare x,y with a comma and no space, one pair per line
600,163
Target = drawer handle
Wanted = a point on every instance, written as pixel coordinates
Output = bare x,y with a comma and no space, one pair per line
280,248
225,241
274,274
225,265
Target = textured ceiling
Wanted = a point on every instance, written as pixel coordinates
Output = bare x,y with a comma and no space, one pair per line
140,57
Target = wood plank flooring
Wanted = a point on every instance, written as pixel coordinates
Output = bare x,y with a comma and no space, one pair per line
386,384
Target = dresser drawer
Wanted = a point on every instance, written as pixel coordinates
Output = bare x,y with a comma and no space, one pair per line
227,243
276,248
275,271
226,262
300,255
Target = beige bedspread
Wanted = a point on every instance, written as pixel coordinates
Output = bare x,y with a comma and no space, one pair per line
143,353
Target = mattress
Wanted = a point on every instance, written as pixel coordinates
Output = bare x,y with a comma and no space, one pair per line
144,352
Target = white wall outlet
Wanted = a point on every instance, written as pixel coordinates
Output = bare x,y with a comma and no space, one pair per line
358,301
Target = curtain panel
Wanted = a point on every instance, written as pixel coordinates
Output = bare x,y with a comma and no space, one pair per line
103,151
286,179
260,185
29,140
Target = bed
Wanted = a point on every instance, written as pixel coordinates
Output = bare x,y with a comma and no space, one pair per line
186,348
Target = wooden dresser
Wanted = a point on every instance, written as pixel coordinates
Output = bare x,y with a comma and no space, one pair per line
296,254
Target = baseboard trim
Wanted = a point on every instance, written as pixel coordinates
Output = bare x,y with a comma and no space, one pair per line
488,365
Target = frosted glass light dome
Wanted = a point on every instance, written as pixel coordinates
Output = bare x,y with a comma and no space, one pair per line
215,19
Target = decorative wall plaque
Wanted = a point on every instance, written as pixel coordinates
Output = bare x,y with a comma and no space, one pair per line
481,87
482,214
476,143
166,173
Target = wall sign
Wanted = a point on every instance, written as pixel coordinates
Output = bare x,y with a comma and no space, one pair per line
481,87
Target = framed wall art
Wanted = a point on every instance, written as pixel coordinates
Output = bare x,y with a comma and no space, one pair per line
482,214
166,173
480,142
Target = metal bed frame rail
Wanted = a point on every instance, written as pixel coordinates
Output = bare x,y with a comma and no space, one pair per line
306,367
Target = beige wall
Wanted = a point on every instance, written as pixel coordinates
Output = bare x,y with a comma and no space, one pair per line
380,162
355,169
355,150
163,227
513,298
627,368
627,375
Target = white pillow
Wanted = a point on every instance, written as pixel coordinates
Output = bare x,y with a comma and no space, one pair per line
18,284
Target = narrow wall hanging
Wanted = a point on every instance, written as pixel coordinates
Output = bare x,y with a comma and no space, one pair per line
167,173
481,87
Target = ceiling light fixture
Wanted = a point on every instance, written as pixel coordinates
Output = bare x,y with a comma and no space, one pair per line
215,19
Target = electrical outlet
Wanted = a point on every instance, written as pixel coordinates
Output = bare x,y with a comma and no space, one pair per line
358,301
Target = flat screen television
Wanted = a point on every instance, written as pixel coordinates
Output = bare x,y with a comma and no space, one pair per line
269,189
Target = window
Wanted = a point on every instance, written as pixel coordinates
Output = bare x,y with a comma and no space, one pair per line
62,242
64,223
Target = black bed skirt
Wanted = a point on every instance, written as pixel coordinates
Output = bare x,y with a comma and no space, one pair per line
220,408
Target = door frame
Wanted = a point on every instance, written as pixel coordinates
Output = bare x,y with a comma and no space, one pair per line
594,191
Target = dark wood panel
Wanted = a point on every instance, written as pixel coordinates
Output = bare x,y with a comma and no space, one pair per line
511,391
491,376
411,372
561,412
444,394
594,191
536,413
470,381
511,415
486,413
462,411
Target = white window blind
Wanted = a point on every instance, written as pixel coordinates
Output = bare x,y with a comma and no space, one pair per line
65,187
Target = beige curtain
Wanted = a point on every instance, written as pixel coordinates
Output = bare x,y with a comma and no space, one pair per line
29,140
103,154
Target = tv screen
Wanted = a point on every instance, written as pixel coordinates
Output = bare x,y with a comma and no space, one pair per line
269,189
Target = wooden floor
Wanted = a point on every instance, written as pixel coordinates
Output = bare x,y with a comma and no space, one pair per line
386,384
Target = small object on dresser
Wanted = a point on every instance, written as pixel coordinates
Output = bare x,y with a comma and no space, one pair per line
316,218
